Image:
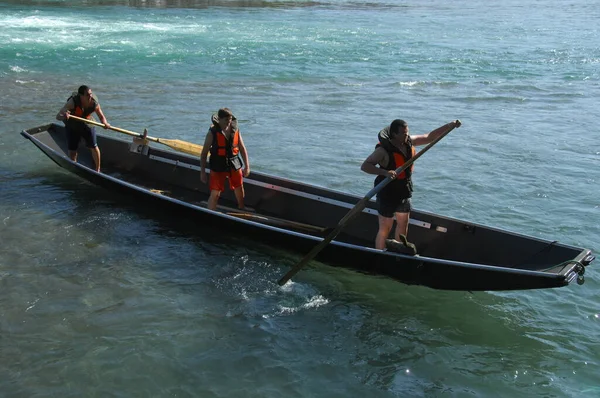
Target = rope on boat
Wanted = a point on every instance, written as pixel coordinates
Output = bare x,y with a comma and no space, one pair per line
564,264
546,247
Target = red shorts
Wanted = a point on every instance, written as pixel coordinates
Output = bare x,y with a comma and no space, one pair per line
217,180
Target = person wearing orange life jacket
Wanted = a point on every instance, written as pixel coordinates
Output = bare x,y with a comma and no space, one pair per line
395,148
225,143
82,104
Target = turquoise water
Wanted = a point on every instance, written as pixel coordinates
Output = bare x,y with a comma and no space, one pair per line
101,298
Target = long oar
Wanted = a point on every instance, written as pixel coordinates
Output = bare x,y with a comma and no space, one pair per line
178,145
355,211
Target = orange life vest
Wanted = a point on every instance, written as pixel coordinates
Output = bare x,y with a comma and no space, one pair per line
80,111
224,153
399,161
401,187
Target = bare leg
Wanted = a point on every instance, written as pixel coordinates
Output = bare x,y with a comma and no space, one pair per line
214,198
73,155
385,226
401,225
96,156
239,195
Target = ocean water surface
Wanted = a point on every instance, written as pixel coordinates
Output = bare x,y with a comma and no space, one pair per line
99,297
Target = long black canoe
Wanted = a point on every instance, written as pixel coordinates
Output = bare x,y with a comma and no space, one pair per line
452,254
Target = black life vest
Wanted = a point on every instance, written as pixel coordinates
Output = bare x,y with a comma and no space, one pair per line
401,187
79,110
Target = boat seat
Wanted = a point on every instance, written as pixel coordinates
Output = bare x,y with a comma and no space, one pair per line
250,214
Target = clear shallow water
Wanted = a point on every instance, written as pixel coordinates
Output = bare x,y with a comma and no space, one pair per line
100,297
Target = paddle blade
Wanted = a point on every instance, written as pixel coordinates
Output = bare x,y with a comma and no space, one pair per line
182,146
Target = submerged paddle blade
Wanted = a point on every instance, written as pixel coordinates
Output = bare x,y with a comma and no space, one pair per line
182,146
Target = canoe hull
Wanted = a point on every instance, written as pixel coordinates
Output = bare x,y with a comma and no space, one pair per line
454,254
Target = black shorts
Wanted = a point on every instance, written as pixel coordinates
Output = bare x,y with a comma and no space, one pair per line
387,208
77,131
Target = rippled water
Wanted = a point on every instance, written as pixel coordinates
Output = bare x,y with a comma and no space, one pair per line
102,297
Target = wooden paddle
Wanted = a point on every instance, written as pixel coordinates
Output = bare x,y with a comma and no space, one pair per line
355,211
178,145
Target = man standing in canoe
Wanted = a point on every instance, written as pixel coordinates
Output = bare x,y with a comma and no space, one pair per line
82,104
395,148
225,143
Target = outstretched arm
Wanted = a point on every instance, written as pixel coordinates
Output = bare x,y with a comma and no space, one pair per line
425,139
